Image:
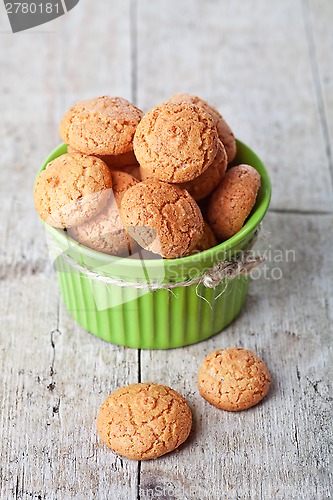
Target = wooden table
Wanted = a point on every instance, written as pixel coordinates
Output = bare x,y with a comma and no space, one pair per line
267,65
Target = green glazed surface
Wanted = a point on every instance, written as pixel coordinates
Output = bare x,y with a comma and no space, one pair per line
159,319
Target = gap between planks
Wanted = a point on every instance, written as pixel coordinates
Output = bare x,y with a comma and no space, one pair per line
134,49
295,211
316,80
134,97
321,110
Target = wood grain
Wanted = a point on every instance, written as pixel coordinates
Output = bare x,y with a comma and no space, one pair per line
54,375
252,62
267,68
279,449
318,18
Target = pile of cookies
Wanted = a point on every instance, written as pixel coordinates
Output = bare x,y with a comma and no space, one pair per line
144,421
158,181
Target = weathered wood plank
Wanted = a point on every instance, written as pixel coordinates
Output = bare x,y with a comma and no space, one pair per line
54,378
281,448
319,18
54,375
251,60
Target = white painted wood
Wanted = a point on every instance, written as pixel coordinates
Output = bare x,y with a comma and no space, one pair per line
54,376
319,17
279,449
251,60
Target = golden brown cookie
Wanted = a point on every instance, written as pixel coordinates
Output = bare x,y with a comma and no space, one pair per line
72,189
71,150
175,142
224,131
144,421
121,181
162,218
133,170
115,162
233,379
207,240
202,186
118,162
100,126
231,203
105,232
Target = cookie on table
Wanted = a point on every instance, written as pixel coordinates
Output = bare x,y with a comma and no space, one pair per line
224,131
207,240
233,379
162,218
105,232
175,142
72,189
144,421
202,186
100,126
231,203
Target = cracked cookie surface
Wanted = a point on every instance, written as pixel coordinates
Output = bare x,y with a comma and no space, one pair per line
105,232
144,421
100,126
125,162
233,379
175,142
231,203
72,189
162,218
224,131
202,186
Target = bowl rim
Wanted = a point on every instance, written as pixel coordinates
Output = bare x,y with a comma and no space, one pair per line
250,225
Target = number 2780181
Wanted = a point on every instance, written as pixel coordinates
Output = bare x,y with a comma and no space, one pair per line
32,8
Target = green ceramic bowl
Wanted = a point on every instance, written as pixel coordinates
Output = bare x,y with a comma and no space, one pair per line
158,319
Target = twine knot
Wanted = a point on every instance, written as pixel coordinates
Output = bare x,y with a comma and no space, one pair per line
229,269
241,264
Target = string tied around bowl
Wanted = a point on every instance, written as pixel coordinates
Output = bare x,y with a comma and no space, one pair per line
241,264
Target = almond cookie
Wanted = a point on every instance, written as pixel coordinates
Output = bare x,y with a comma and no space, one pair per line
119,161
121,182
126,162
207,240
162,218
115,162
224,131
72,189
203,185
105,232
175,142
133,170
144,421
232,202
233,379
100,126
